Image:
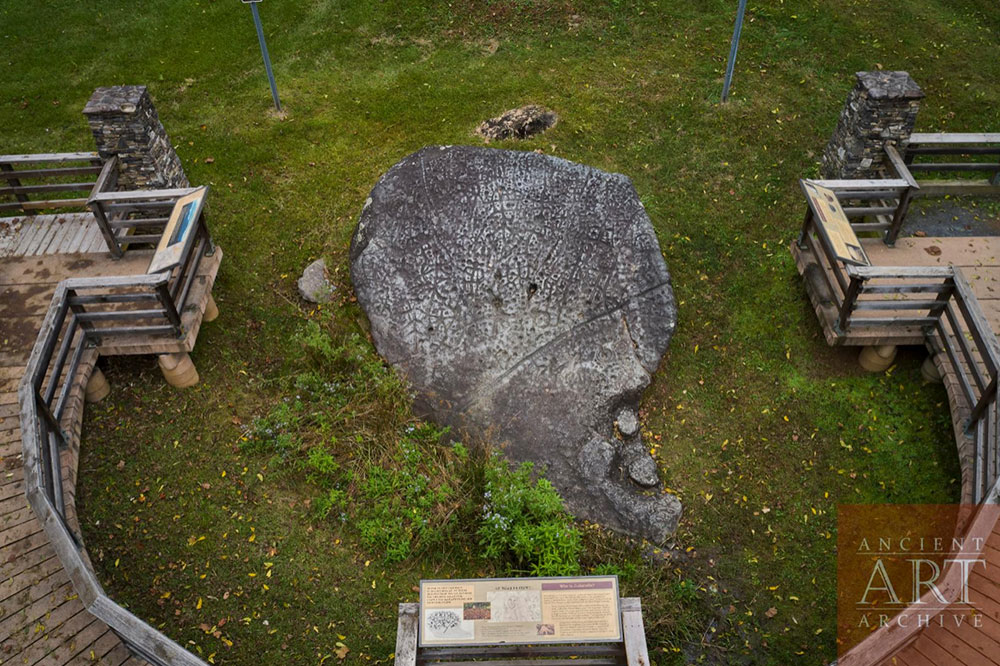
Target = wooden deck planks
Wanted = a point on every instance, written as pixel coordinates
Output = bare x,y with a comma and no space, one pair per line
33,629
50,234
99,652
964,644
60,637
25,236
60,593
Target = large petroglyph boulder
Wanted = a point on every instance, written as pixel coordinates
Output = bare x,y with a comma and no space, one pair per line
525,296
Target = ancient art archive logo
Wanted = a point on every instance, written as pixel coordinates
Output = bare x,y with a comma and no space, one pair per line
904,568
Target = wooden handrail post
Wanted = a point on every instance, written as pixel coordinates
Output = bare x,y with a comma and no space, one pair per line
899,166
850,300
14,182
163,296
941,302
805,228
55,460
892,233
988,395
210,249
105,226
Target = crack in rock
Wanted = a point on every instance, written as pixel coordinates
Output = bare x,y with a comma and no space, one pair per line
526,297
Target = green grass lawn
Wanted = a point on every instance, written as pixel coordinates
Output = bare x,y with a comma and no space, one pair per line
760,428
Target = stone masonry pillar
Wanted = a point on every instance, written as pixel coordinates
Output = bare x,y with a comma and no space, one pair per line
881,108
124,123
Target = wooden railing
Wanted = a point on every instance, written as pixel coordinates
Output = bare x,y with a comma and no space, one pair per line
884,199
130,219
133,219
47,174
975,155
83,315
939,302
877,204
881,204
935,304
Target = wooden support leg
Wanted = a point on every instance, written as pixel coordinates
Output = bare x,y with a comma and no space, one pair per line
877,358
97,387
930,371
211,309
178,370
634,633
406,634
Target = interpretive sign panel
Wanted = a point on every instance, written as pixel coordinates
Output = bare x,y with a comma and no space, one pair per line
833,223
179,231
489,611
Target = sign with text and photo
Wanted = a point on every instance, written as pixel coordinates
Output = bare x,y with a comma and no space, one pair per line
179,232
490,611
832,222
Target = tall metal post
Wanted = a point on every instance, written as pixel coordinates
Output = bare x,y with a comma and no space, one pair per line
733,47
263,52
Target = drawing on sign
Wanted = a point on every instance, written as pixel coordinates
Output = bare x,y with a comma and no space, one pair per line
447,623
515,605
833,224
519,610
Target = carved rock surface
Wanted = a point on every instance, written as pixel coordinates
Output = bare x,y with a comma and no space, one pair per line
525,296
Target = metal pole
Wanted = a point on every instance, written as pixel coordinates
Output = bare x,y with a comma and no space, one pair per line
733,47
267,58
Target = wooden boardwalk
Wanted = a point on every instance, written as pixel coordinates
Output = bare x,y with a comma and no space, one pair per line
960,643
41,619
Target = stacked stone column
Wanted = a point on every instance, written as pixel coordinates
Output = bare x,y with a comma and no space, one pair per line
125,124
882,107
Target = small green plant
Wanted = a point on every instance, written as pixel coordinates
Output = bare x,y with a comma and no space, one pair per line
335,498
277,432
686,590
624,570
524,523
405,503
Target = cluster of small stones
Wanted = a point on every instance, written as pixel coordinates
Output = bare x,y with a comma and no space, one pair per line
125,123
881,108
519,123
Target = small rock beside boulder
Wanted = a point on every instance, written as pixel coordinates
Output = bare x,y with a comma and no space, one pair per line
315,285
518,123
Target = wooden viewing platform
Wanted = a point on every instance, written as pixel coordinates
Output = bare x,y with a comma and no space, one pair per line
977,256
942,292
979,260
44,620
